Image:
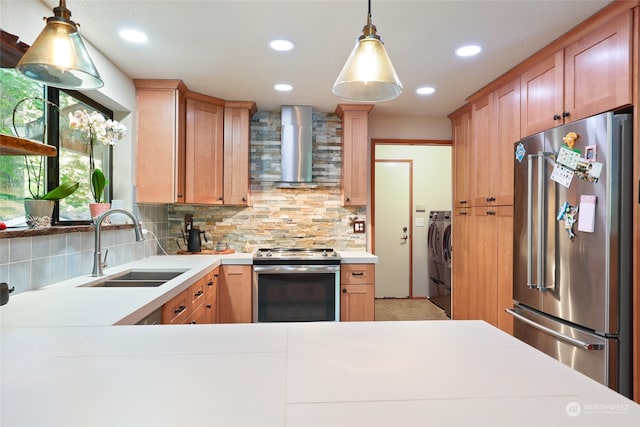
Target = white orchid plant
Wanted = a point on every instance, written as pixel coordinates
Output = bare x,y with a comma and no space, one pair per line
97,128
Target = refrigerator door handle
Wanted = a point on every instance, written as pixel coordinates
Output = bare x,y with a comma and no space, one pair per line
573,341
530,283
541,218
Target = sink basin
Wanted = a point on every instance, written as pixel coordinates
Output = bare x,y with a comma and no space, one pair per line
138,279
129,284
163,275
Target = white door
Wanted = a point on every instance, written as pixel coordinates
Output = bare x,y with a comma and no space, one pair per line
392,213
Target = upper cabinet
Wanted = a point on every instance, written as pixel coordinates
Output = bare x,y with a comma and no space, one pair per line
355,152
160,153
204,149
590,76
237,139
496,128
462,134
192,148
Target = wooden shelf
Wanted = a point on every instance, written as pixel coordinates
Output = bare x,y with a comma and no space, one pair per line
14,146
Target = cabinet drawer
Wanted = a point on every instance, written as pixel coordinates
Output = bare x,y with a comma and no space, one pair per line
177,310
353,274
198,316
198,291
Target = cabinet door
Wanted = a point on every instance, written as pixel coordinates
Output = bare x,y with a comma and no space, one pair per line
541,95
237,137
234,294
357,303
484,154
504,267
211,303
483,251
462,166
462,289
598,69
204,152
506,122
160,141
355,153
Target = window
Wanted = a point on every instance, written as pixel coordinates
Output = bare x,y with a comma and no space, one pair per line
32,116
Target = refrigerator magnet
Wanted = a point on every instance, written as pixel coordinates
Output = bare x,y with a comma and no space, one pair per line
589,172
586,222
590,153
520,152
562,175
568,157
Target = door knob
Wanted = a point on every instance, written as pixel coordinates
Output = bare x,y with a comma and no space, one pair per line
404,235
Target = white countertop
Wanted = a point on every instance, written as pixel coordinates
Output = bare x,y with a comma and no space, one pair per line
357,257
418,373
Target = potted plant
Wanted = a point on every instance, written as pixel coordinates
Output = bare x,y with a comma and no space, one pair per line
38,209
98,183
94,128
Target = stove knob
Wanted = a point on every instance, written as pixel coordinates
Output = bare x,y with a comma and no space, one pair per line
324,253
269,253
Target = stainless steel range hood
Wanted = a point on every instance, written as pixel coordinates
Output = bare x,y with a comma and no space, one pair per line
296,148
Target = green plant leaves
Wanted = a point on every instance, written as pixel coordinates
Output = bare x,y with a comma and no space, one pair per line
61,191
98,182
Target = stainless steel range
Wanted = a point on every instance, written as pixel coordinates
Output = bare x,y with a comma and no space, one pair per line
296,285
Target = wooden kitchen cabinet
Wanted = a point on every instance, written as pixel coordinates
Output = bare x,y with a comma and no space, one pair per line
237,139
211,302
160,141
177,310
590,76
462,282
357,292
490,263
355,152
496,128
195,305
204,149
235,294
462,164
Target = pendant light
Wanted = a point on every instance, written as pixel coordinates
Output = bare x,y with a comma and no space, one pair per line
59,57
368,74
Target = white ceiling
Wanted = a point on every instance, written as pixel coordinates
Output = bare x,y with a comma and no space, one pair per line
220,47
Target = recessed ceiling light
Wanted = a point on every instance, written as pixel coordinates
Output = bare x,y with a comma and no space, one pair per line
133,36
281,44
469,50
425,90
283,87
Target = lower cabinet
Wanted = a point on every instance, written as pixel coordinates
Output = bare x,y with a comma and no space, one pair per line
234,294
357,292
194,305
490,265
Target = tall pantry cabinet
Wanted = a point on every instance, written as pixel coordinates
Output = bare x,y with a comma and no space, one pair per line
587,71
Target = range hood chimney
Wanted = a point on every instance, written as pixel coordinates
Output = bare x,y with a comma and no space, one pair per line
296,148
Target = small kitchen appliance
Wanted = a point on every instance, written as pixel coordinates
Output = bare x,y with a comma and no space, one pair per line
191,235
296,285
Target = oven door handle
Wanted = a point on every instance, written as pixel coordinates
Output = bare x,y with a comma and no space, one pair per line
275,269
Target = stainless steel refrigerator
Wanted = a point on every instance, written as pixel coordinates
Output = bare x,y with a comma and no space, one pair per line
572,246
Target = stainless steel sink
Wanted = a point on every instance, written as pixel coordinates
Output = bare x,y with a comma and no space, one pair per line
163,275
138,279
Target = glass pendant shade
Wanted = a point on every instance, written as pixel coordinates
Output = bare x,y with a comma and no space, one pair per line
59,57
368,74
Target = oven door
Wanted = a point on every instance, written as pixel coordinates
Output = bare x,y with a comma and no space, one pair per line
296,293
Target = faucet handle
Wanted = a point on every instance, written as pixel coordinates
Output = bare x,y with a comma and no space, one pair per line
104,260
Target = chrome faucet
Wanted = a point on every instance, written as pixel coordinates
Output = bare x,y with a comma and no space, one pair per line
97,254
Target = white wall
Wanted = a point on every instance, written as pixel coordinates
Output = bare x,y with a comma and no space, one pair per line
432,176
24,19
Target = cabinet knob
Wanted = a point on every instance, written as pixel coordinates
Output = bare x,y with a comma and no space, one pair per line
221,198
556,117
344,290
244,199
357,273
199,293
208,306
463,202
180,309
193,322
565,114
463,212
347,199
491,212
491,199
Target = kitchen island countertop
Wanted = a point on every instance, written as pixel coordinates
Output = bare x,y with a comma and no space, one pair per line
415,373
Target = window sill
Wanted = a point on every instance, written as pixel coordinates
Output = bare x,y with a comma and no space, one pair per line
27,232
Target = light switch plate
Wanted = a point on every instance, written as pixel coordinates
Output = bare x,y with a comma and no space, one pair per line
419,222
